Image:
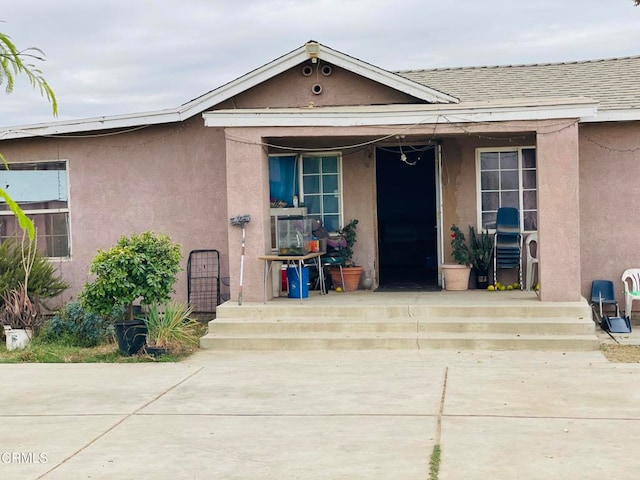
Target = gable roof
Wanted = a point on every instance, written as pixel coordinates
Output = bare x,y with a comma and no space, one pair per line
235,87
612,82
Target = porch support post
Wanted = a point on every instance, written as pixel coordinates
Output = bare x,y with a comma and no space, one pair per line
247,194
558,212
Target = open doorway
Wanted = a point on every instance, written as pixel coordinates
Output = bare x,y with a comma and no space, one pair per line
407,232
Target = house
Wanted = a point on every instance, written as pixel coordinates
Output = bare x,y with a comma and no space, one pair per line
407,153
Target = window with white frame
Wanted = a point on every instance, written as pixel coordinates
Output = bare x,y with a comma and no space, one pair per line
321,188
506,177
40,188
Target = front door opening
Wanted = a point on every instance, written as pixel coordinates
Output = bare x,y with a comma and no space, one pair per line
407,233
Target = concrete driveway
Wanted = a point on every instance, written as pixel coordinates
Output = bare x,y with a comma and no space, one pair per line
324,415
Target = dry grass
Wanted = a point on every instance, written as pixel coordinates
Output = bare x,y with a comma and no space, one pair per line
621,353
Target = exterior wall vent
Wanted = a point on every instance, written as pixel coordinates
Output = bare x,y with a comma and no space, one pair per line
316,89
307,70
326,70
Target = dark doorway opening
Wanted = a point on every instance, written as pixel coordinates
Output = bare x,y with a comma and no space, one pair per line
407,233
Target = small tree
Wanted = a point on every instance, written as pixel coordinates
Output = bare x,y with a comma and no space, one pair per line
141,267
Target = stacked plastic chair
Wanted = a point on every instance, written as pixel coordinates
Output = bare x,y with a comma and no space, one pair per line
507,242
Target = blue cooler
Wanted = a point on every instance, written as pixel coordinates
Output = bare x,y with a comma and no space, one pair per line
293,280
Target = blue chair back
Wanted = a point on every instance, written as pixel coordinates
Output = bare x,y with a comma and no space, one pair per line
604,288
508,220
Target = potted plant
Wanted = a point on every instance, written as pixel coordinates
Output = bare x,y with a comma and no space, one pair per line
456,276
138,268
349,272
481,246
170,328
26,277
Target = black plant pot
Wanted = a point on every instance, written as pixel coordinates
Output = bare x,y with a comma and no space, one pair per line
131,336
482,280
154,351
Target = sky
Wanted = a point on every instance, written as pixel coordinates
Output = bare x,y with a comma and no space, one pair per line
131,56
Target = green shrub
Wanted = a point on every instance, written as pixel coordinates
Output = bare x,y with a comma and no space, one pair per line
171,327
140,266
44,281
77,327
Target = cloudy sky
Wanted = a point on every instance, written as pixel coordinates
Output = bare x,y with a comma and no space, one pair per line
125,56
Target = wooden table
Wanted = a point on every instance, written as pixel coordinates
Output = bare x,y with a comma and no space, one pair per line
297,260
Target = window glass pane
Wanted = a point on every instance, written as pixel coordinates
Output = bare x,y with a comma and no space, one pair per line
528,158
330,183
34,185
330,165
509,180
311,164
509,199
489,161
530,220
489,181
52,228
311,184
529,179
529,200
332,223
489,220
509,160
490,201
330,204
312,202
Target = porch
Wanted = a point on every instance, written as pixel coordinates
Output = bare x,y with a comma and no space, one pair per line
364,320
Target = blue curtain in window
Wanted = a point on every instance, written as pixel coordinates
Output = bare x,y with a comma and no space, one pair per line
283,181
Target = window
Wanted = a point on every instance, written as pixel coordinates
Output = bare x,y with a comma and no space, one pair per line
507,178
315,179
41,191
321,189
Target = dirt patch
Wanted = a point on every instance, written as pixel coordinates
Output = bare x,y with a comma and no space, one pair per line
621,353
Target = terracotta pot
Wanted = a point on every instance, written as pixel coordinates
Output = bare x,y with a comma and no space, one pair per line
351,277
456,277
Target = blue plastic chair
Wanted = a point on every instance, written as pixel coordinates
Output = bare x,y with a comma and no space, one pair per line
507,242
603,294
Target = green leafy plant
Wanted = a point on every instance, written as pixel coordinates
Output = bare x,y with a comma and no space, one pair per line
171,327
42,281
481,246
74,326
348,232
140,266
460,250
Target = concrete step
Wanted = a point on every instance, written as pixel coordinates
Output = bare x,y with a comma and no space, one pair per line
396,341
474,320
374,310
540,326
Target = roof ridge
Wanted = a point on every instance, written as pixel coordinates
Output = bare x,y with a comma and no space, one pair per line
519,65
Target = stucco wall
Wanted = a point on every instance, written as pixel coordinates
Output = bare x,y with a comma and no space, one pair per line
167,179
292,89
609,210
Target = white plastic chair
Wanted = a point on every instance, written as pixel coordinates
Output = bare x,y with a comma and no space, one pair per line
532,261
631,281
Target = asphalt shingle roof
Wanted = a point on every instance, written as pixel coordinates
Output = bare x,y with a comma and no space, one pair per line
615,82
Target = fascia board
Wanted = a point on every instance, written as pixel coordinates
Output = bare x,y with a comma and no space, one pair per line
618,115
315,117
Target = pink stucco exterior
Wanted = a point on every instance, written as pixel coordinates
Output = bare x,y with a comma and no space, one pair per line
187,180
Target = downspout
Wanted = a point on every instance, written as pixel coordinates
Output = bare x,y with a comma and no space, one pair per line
439,212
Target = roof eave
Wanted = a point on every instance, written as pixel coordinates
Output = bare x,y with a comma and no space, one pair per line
429,114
